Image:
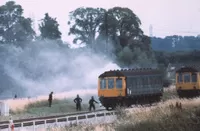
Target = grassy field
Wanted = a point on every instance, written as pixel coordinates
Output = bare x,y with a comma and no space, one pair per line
165,116
41,108
60,106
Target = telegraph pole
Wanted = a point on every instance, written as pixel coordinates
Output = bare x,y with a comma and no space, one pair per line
150,31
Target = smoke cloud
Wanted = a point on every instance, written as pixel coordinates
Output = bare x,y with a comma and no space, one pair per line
42,67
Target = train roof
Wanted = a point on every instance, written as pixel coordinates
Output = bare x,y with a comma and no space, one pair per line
130,72
189,68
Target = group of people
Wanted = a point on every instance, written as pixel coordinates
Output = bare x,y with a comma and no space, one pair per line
77,101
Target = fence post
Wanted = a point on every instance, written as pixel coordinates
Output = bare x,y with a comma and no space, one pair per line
22,125
33,125
95,115
45,124
56,121
86,117
77,120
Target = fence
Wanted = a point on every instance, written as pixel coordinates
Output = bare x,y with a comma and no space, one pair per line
67,120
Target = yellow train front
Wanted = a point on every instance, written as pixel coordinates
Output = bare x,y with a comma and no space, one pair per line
127,87
188,81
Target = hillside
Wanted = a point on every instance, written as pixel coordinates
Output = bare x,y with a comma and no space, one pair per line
175,43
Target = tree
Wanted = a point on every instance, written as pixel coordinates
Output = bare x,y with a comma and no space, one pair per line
121,22
49,28
14,27
125,56
85,24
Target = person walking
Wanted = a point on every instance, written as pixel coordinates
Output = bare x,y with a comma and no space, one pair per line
50,98
91,103
78,101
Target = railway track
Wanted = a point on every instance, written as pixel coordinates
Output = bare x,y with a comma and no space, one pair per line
55,118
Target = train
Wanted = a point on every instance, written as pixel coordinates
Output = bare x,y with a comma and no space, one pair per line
188,81
126,87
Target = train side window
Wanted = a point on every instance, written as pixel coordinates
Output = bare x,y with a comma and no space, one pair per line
186,77
150,80
119,83
147,79
144,80
134,82
153,80
156,80
161,80
103,84
194,77
180,77
110,83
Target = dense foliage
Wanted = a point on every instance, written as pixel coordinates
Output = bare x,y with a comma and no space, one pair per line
113,33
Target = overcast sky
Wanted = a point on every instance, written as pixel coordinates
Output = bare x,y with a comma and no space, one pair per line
168,17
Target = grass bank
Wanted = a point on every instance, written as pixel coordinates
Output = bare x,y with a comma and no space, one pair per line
166,116
41,108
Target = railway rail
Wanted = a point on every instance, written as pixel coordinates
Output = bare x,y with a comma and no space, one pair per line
57,118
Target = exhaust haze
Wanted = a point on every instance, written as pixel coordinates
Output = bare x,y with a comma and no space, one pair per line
42,67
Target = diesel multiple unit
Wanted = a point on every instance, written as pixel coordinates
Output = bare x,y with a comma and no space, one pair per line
188,81
130,86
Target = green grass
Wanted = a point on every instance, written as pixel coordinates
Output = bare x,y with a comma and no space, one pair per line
58,106
160,118
41,108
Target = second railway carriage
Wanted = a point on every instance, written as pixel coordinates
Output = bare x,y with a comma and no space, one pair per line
130,86
188,81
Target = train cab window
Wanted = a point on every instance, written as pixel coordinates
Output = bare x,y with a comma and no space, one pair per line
180,77
119,83
187,77
103,84
194,77
110,83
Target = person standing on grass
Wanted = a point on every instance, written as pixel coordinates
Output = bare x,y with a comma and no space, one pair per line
50,98
91,103
78,101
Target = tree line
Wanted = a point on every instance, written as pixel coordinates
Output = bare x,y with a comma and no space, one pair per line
113,33
176,43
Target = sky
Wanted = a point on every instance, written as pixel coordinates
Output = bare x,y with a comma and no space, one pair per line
167,17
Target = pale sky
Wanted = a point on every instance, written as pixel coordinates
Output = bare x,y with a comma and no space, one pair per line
168,17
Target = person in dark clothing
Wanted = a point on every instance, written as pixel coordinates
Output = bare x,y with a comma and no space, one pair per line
91,103
78,101
15,96
50,98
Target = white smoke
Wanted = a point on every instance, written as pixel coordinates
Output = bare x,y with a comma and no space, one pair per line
42,67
